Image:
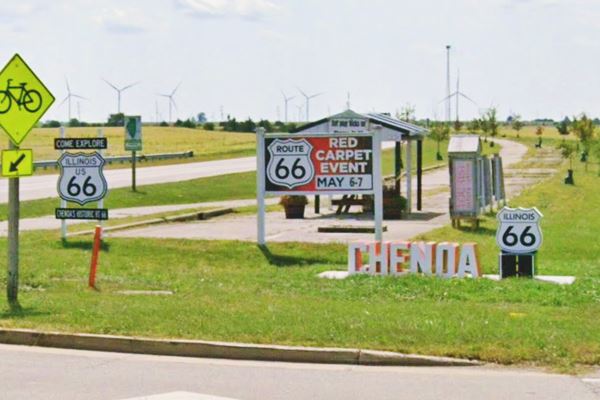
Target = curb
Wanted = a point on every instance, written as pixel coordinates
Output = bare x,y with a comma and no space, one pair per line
199,215
235,351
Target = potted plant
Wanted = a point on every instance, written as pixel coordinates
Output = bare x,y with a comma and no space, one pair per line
294,206
393,205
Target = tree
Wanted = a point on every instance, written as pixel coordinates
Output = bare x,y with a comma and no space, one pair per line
490,123
117,119
563,126
516,123
457,125
407,113
201,118
539,131
567,150
474,126
439,132
595,149
209,126
583,128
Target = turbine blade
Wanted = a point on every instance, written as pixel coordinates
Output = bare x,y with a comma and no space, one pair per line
448,97
63,102
78,96
68,88
315,95
128,86
467,97
176,87
174,104
110,84
300,90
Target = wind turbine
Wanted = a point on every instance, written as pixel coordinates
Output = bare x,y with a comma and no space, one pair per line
457,95
285,102
171,101
300,109
119,90
308,98
69,96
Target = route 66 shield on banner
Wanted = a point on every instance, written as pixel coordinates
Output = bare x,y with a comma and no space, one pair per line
81,177
290,164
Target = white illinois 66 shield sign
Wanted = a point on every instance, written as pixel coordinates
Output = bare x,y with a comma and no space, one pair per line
81,177
290,164
519,230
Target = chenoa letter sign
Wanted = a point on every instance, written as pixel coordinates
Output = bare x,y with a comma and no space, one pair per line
519,230
81,177
319,164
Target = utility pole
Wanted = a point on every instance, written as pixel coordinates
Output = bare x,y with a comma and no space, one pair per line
448,101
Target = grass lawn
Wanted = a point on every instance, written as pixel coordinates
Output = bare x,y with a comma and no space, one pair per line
232,291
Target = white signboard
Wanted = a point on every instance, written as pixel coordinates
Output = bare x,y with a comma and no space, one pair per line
519,230
81,177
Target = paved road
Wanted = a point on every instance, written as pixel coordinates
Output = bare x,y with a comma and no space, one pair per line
43,186
36,373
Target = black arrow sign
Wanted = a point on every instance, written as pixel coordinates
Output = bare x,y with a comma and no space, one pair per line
14,165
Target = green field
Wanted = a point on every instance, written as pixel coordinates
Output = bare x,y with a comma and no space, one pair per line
207,145
232,291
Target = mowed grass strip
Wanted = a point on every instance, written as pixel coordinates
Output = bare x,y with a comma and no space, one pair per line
232,291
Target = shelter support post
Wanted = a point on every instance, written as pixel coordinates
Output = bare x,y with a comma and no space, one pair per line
260,185
409,176
398,167
317,204
419,175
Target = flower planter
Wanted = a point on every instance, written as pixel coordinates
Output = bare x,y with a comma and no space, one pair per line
293,211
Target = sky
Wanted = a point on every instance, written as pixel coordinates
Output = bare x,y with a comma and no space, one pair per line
536,58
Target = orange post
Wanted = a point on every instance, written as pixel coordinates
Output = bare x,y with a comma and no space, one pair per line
95,252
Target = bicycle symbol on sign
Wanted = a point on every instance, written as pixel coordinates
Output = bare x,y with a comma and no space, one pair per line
31,100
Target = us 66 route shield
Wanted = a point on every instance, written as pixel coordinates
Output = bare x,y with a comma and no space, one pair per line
81,177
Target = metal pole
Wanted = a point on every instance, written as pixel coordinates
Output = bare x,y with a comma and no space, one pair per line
260,185
377,185
419,175
133,162
409,176
63,203
101,201
448,100
12,284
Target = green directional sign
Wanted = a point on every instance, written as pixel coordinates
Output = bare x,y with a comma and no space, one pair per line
133,133
23,99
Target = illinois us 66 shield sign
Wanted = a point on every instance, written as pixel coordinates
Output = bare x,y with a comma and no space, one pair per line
81,177
319,164
519,230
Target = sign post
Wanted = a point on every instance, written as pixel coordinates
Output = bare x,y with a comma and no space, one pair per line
260,185
25,99
133,142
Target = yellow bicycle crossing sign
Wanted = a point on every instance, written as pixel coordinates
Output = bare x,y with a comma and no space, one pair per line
23,99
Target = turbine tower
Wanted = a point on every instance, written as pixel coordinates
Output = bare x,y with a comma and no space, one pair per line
119,90
300,111
171,101
70,95
308,98
285,102
457,95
